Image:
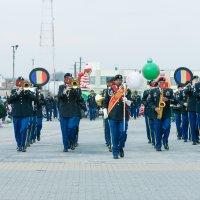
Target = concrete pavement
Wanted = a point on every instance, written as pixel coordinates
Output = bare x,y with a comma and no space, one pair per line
44,172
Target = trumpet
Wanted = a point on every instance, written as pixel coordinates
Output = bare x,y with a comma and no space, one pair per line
26,85
75,83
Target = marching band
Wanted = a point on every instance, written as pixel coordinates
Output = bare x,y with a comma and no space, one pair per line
159,101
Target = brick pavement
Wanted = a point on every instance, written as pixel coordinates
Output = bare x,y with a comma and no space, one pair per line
44,172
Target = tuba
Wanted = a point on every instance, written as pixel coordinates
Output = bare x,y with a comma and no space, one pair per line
161,105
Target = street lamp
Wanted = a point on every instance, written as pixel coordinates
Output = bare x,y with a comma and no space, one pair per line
14,48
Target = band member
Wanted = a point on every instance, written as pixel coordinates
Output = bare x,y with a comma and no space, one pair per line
197,95
148,113
82,108
55,108
107,135
21,101
69,111
159,101
49,106
40,102
192,105
92,105
3,112
182,100
116,109
177,111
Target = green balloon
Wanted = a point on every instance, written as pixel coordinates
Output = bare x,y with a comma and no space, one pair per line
150,71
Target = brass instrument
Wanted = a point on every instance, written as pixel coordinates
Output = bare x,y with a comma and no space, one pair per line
161,105
99,99
75,83
26,85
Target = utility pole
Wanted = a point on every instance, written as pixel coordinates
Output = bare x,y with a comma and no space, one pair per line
33,63
75,72
80,60
14,49
80,63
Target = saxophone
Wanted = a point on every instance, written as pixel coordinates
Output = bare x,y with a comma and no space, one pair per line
161,105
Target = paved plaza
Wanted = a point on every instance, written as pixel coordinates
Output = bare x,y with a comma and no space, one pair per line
44,172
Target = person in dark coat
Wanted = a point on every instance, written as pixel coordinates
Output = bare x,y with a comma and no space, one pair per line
22,108
116,109
192,108
40,102
92,105
69,112
162,125
148,113
49,102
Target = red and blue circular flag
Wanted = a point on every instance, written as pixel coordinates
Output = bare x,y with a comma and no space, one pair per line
39,76
183,75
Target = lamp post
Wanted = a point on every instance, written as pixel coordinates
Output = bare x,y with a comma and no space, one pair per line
14,48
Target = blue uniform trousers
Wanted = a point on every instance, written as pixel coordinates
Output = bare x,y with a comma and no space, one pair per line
29,130
55,112
133,112
33,127
49,114
77,130
152,131
184,126
198,121
162,130
193,126
118,135
20,128
107,132
148,128
68,128
39,125
178,124
92,112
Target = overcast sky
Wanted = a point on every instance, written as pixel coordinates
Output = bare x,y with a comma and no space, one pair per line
120,33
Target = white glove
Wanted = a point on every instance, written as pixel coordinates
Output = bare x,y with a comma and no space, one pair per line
105,113
128,102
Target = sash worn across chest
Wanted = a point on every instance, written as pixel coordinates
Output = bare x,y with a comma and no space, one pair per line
115,98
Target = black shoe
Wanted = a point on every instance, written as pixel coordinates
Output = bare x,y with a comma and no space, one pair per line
194,143
28,144
149,142
115,157
178,137
23,149
34,141
72,147
76,144
166,146
65,150
19,149
109,148
158,150
121,153
38,137
185,140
